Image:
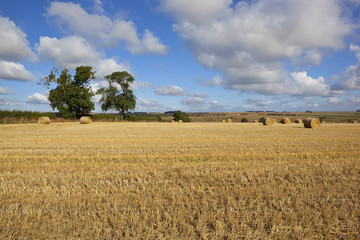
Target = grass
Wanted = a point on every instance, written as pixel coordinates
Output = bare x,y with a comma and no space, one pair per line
179,181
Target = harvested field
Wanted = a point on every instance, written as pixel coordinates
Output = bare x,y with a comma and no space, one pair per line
179,181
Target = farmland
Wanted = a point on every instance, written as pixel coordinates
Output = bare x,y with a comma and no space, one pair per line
179,181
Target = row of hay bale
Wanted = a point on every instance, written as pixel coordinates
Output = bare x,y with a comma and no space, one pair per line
229,120
308,122
180,121
46,120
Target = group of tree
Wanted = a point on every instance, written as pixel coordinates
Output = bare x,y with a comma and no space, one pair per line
72,95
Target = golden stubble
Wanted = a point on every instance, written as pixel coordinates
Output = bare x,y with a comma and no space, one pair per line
179,181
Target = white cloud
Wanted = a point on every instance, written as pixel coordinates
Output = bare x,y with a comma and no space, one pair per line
313,56
70,51
13,43
249,41
356,49
351,78
333,100
194,102
200,95
308,86
256,103
136,85
5,91
37,98
149,105
354,99
100,29
201,104
170,90
215,81
104,67
14,71
73,51
8,102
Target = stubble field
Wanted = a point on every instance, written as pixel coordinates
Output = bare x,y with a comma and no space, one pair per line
179,181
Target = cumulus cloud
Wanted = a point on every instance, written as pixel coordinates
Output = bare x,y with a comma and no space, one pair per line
170,91
257,103
8,102
68,51
100,29
149,105
136,85
351,76
14,47
215,81
200,95
37,98
73,51
14,71
248,41
308,86
194,102
201,104
13,43
5,91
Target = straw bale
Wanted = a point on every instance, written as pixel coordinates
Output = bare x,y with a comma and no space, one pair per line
180,121
44,120
229,120
353,121
285,120
256,121
269,121
85,120
298,120
173,121
311,123
223,121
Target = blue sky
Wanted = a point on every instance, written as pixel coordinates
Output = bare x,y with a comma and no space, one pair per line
192,55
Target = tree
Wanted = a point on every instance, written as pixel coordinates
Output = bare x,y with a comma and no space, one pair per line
244,120
118,96
71,97
179,115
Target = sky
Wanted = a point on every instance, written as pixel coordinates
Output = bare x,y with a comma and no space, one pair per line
189,55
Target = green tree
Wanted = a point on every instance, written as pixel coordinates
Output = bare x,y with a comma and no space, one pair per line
179,115
113,98
72,96
244,120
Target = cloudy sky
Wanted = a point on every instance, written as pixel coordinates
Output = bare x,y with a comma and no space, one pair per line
192,55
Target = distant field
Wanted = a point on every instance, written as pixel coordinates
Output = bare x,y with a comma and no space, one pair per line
15,117
179,181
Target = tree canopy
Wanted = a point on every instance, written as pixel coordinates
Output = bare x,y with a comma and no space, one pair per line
71,96
118,95
179,115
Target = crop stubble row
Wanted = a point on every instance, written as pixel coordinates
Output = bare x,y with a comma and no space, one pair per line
159,180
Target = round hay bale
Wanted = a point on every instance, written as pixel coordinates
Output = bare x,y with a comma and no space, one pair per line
44,120
298,120
285,120
180,121
353,121
269,121
173,121
223,121
256,121
85,120
229,120
311,123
